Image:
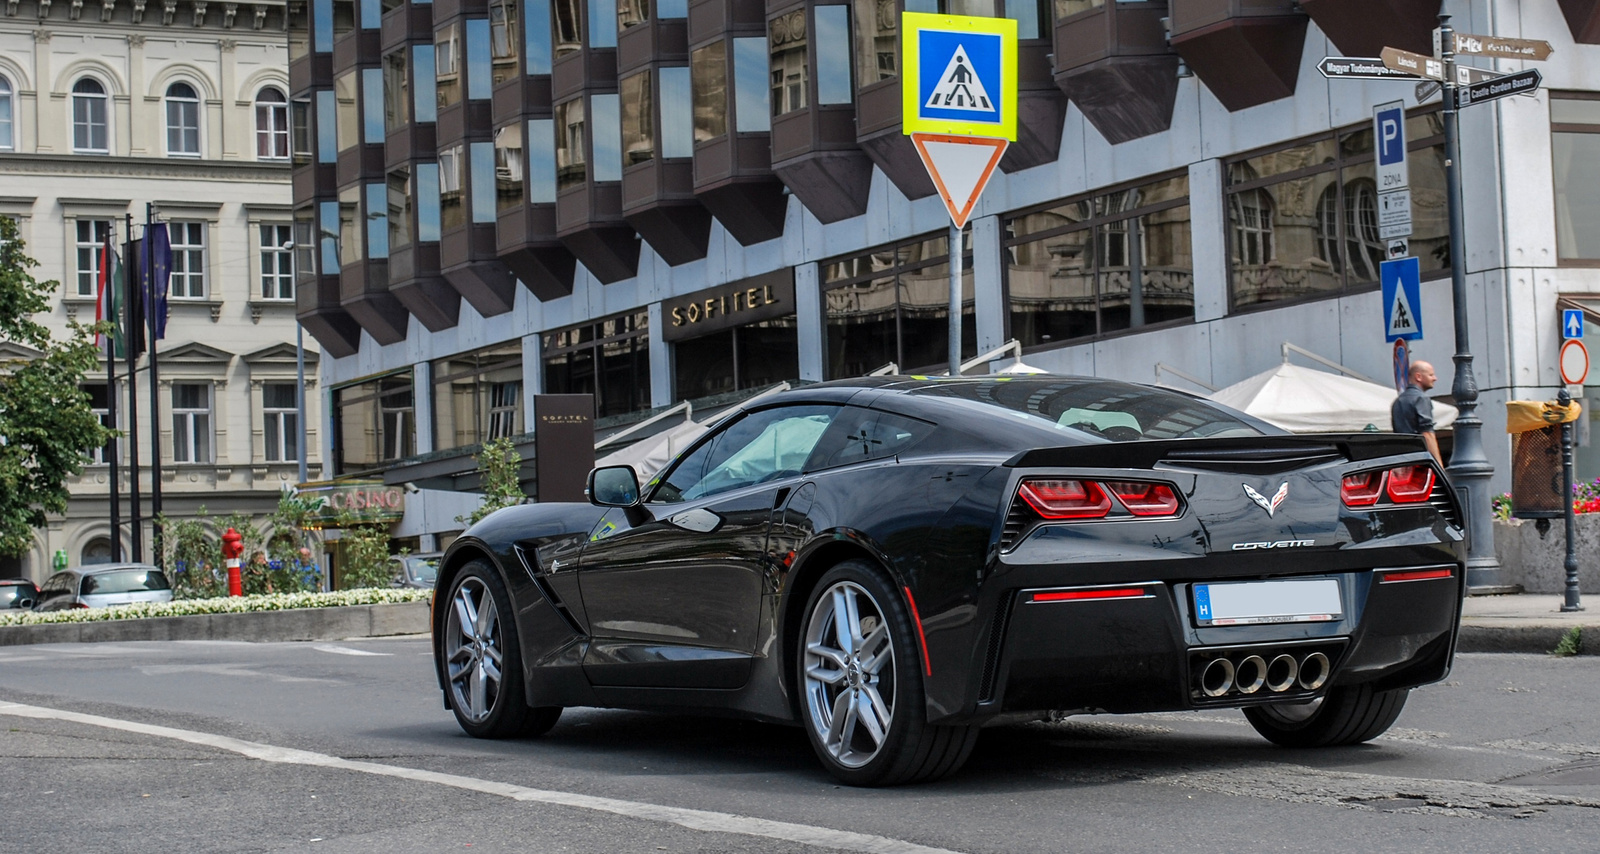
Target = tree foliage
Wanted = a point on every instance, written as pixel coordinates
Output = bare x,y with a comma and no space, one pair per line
47,427
501,467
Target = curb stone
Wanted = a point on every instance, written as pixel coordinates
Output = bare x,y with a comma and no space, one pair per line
299,624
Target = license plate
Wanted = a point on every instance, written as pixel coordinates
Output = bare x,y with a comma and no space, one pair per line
1314,600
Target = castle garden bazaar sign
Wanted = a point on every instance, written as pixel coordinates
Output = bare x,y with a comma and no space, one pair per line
736,304
365,499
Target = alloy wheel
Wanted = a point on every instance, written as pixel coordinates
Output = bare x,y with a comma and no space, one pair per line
473,650
849,674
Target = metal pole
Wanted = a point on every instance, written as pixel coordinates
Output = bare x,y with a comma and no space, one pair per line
300,395
112,451
955,300
1571,601
1469,469
148,282
135,523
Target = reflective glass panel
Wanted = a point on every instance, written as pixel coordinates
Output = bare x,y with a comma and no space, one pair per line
570,159
480,82
541,161
751,104
832,25
327,127
447,64
429,215
452,207
399,205
672,8
350,238
786,39
372,112
536,35
503,38
709,67
377,213
1577,180
638,133
344,87
602,23
877,41
322,26
508,164
328,236
396,91
677,112
425,101
607,137
568,34
483,181
632,13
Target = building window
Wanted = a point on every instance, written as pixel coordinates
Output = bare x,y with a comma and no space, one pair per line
893,305
348,115
191,423
89,130
398,191
1575,143
787,38
300,130
677,112
503,39
277,265
608,358
447,64
638,119
183,121
188,259
91,235
708,69
752,356
877,41
1303,218
569,36
305,243
7,112
751,110
351,248
571,164
477,397
832,36
396,91
1101,264
374,423
272,125
280,422
536,41
452,209
98,403
508,163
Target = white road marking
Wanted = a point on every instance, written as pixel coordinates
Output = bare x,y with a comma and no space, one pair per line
223,670
704,820
345,650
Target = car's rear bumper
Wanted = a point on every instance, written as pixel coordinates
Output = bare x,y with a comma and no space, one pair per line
1136,646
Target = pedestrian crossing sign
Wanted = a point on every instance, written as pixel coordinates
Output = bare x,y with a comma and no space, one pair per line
1402,299
959,75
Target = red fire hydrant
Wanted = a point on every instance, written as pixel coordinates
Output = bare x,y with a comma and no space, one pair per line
232,549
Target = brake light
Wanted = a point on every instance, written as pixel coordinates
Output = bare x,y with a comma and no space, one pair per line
79,605
1146,499
1410,484
1066,499
1362,490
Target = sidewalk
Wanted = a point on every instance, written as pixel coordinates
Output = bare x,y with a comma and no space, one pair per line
1526,622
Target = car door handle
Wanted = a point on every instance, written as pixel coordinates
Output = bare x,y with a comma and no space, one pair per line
699,520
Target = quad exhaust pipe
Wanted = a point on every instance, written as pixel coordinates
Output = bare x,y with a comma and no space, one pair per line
1251,674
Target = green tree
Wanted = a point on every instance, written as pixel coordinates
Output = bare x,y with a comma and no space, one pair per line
47,427
501,467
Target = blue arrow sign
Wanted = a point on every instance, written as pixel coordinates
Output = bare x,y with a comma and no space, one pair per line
1571,323
1402,299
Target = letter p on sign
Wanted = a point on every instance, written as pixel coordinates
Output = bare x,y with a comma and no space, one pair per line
1389,135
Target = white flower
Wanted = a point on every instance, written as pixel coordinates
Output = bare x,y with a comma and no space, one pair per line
219,605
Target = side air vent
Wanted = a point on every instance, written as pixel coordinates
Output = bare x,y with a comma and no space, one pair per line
991,660
1445,503
1267,460
1018,521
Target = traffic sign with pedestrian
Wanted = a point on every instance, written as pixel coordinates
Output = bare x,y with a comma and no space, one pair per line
961,75
1571,323
1402,299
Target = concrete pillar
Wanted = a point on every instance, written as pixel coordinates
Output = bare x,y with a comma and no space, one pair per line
1208,224
142,123
227,128
422,406
810,324
988,259
660,359
532,377
49,125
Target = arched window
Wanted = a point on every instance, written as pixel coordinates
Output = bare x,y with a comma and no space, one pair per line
1328,227
183,120
272,125
1251,212
1362,243
7,125
89,128
98,550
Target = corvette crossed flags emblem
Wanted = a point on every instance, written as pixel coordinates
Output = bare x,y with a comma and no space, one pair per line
1269,505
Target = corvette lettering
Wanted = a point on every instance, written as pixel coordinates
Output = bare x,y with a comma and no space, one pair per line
1275,544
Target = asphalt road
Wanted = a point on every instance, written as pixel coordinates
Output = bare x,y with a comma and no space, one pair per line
346,747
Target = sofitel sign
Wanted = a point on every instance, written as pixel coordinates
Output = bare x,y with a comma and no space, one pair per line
735,304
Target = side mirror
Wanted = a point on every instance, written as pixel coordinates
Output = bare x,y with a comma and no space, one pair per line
613,486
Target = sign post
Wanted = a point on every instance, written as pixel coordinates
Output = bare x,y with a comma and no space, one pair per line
960,110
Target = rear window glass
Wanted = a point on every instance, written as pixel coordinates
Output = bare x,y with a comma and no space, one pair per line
125,581
12,594
423,568
1118,412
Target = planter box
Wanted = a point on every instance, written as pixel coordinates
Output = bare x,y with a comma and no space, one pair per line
300,624
1536,562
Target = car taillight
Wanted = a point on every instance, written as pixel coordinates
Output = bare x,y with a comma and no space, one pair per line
80,605
1362,490
1410,484
1066,499
1146,499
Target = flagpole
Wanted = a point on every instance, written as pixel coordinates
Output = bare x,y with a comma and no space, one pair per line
136,554
111,450
151,305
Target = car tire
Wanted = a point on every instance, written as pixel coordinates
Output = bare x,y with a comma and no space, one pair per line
878,676
483,660
1350,714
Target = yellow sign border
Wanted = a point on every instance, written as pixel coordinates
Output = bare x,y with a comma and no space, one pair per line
912,23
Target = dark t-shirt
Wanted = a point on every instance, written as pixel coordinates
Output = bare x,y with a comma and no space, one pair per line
1412,412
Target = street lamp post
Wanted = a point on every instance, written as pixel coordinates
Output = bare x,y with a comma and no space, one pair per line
1469,469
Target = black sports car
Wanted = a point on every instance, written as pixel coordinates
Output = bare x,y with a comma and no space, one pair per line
891,562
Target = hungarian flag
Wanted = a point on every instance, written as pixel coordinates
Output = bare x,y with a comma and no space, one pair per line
108,303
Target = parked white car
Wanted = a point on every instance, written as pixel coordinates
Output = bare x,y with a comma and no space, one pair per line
102,585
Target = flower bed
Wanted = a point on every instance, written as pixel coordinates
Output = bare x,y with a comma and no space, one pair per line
219,605
1585,499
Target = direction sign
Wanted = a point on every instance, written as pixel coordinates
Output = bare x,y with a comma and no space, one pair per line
960,75
1402,299
1521,83
1574,363
1501,48
960,167
1417,64
1359,68
1571,323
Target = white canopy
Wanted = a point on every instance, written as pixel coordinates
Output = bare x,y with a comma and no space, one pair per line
651,455
1303,400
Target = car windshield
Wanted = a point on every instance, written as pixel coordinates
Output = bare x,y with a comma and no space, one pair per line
125,581
1115,411
423,569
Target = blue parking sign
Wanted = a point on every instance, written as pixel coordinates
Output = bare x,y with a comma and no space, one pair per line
1571,323
1402,299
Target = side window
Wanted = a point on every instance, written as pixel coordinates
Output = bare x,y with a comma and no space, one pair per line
761,446
858,435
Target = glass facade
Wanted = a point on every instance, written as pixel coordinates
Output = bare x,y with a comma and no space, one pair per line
1575,143
374,422
607,358
708,67
752,356
1101,264
477,397
893,305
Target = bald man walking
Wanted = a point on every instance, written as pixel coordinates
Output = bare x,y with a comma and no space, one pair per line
1412,411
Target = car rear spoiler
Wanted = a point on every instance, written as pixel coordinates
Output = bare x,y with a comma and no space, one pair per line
1252,454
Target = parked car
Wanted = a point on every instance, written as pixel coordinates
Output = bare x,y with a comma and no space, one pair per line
102,585
892,562
418,570
18,593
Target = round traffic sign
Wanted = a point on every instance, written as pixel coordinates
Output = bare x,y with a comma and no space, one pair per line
1574,362
1402,365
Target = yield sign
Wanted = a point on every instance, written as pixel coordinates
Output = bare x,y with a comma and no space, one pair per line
960,167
